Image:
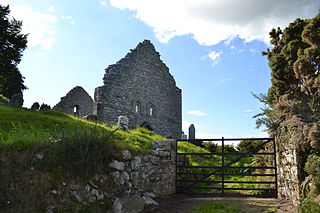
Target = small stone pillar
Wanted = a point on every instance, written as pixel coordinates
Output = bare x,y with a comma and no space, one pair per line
123,122
192,132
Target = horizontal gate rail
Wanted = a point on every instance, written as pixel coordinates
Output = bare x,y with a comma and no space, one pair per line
231,167
223,172
230,195
217,181
225,188
220,154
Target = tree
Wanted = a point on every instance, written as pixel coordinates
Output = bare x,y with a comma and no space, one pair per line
295,64
12,44
35,106
247,145
45,107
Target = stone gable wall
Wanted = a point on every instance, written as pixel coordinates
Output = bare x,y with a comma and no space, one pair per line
141,79
76,97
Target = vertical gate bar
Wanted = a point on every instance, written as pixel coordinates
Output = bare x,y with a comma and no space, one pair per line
176,170
275,165
222,164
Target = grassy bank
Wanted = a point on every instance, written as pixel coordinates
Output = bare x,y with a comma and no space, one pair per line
21,128
46,152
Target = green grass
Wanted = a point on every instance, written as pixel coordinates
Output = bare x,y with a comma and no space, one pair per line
21,128
219,207
236,206
52,147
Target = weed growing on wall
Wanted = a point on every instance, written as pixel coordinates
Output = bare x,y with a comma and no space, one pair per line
84,151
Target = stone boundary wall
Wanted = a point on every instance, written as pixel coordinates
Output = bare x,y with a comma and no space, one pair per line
142,178
288,173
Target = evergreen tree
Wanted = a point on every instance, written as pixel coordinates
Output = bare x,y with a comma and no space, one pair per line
12,44
35,106
45,107
295,75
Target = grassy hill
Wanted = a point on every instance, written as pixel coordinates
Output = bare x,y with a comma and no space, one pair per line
21,128
41,149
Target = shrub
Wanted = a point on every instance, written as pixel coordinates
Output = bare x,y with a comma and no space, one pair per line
45,107
84,151
35,106
312,166
309,206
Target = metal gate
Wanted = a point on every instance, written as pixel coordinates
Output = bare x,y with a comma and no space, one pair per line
222,173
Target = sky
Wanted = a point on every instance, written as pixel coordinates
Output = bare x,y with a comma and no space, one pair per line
212,48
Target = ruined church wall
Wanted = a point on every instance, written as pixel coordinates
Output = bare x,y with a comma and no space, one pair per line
76,97
141,79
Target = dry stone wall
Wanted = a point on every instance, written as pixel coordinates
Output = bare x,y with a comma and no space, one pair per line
288,181
140,87
144,177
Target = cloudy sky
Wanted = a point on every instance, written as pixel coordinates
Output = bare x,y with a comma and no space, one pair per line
212,48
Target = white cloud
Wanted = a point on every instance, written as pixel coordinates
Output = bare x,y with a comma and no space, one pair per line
247,110
51,9
212,21
103,3
39,26
68,19
197,112
215,57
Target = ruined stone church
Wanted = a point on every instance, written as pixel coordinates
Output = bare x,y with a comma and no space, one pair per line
138,86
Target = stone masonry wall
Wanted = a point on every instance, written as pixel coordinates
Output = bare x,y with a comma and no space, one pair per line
79,98
288,173
139,179
141,87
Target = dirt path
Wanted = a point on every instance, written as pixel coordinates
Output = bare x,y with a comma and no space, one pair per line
182,204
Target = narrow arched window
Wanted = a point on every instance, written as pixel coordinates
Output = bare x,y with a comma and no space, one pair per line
137,107
76,110
151,110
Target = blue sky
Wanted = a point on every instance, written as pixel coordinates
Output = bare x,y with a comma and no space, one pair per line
212,48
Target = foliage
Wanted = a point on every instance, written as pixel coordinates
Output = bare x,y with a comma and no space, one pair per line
309,206
45,107
35,106
12,44
292,111
84,151
247,145
312,166
214,147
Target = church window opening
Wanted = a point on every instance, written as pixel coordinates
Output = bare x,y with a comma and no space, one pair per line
137,107
151,110
76,110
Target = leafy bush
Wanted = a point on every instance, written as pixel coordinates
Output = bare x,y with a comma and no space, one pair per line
84,151
309,206
312,166
35,106
45,107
